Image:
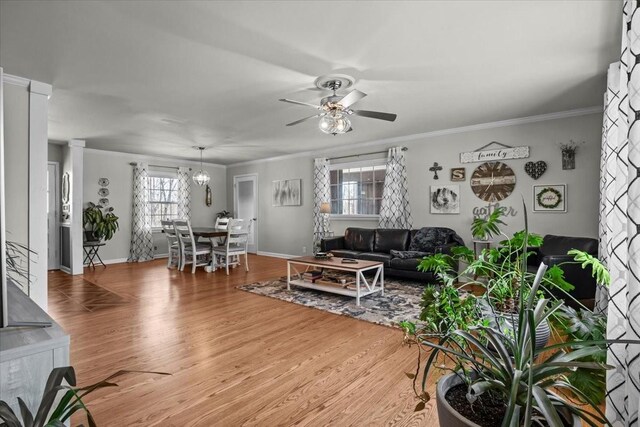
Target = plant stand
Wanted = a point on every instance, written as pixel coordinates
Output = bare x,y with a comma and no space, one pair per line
91,253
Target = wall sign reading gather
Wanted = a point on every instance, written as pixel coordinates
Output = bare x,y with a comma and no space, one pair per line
499,154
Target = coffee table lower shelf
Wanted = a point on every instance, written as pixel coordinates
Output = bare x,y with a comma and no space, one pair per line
363,286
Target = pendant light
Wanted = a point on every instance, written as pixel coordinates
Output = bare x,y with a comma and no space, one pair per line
201,177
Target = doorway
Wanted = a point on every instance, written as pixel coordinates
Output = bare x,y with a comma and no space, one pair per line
245,205
53,227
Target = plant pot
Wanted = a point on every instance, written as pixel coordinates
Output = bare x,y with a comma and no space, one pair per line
504,322
449,417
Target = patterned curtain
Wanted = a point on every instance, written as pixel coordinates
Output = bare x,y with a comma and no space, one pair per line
620,222
184,193
321,193
141,239
394,210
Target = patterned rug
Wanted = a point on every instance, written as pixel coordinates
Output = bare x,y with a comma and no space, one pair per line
401,300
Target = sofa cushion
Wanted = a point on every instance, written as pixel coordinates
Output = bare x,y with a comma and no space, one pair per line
388,239
376,256
345,253
405,264
359,239
409,254
428,237
560,245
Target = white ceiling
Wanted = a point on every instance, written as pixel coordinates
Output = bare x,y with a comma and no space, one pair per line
157,78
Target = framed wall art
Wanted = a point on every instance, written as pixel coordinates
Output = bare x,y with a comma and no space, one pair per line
444,199
458,174
287,192
550,198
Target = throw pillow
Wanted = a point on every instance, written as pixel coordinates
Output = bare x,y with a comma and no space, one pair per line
409,254
428,237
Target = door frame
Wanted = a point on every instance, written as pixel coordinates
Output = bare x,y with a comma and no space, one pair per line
56,237
257,199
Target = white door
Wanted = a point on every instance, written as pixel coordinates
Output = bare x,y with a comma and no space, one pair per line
245,205
52,217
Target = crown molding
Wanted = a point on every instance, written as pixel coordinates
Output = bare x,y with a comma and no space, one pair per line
406,138
135,157
15,80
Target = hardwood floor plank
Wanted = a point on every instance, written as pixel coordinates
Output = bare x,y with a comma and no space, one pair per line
235,358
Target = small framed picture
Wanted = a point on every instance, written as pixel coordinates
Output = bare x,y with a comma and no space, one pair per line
458,174
550,198
444,199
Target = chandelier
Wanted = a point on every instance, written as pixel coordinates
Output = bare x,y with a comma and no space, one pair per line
201,177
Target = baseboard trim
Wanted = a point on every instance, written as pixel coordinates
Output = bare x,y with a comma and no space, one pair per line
276,255
114,261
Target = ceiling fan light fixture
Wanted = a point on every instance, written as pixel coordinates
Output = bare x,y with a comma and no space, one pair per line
201,177
334,123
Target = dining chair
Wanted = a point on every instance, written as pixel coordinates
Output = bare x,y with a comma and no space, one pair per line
235,245
190,250
222,223
173,244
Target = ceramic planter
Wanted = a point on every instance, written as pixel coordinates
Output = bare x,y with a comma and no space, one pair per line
449,417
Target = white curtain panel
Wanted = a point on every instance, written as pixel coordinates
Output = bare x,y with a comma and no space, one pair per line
620,222
394,210
141,238
184,193
321,194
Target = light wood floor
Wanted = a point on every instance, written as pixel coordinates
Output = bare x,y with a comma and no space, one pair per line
236,358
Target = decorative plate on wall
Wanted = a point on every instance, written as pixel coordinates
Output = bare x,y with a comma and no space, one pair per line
103,182
104,202
103,192
493,181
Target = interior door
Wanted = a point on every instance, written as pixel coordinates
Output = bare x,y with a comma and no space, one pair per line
245,205
53,228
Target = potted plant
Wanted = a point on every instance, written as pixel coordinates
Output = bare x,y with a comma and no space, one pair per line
99,223
502,375
71,401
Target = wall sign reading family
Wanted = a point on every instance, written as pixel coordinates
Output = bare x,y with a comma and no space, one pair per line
499,154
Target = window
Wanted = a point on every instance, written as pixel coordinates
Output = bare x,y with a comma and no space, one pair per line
356,189
163,199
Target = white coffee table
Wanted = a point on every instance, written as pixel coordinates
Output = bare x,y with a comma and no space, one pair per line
363,288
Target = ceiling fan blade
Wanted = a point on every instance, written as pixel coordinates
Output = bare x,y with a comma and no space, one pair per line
390,117
303,120
317,107
351,98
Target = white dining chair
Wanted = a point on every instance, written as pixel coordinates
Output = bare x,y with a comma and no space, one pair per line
222,223
235,245
172,243
191,252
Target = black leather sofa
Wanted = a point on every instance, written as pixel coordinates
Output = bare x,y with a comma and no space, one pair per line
378,244
554,251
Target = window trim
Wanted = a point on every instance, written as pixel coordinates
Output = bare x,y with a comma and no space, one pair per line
356,164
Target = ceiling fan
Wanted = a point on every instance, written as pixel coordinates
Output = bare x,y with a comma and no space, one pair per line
335,109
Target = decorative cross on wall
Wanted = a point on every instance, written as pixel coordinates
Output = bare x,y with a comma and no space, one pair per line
435,168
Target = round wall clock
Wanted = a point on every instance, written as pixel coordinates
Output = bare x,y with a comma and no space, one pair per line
493,181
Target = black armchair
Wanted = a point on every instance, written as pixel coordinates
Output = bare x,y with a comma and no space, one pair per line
554,252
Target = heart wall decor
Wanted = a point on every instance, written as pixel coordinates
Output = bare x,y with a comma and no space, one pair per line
535,169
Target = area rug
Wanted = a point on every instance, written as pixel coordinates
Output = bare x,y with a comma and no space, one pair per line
401,300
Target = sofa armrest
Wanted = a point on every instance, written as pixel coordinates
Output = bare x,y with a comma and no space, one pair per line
445,249
327,245
551,260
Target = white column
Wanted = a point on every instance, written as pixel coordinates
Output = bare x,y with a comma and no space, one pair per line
76,148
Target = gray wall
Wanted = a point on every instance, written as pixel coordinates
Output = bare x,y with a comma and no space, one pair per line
54,153
286,230
115,166
16,143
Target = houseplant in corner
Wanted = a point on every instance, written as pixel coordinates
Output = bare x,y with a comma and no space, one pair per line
498,376
99,223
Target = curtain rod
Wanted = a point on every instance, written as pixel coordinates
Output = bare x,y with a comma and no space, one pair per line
363,154
157,166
